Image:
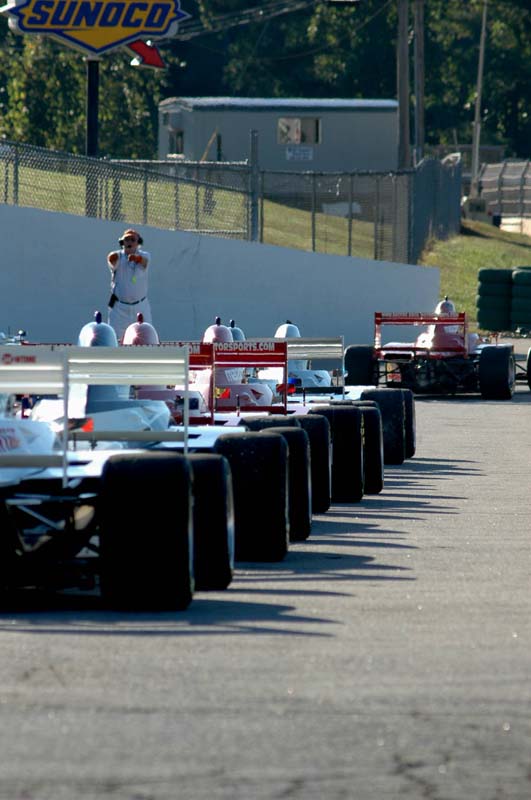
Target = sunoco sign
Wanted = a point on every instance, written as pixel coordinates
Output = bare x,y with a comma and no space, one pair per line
96,26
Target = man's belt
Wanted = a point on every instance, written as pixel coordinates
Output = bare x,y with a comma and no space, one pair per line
134,303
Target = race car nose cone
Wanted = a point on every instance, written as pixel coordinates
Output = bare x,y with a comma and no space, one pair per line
287,331
97,334
237,333
217,333
141,333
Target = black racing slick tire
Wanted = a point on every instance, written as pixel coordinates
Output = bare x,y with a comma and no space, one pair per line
359,365
213,521
146,532
496,372
373,447
299,481
258,423
259,466
319,433
410,425
346,423
391,404
528,367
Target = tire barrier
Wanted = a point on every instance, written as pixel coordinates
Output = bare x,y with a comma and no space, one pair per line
493,299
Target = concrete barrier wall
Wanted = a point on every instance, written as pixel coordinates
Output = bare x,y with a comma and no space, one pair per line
54,277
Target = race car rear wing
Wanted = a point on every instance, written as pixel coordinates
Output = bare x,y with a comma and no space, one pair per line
51,370
331,350
252,353
424,319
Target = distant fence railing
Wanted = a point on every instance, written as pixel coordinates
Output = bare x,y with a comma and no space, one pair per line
385,216
506,188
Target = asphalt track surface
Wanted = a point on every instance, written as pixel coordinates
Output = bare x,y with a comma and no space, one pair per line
387,657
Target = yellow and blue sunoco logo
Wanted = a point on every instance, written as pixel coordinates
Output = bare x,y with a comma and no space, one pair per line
97,26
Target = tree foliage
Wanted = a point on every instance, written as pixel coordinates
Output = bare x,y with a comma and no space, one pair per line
43,96
320,51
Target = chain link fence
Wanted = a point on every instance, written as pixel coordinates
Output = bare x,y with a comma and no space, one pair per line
385,216
204,198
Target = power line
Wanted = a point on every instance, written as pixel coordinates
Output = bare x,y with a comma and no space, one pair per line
263,13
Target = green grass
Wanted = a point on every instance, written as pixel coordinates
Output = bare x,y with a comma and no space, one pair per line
292,227
158,202
459,259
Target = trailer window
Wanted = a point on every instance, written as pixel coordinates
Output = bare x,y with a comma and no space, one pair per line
299,130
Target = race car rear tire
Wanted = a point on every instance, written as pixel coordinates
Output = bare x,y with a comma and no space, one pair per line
373,447
318,429
299,481
213,521
146,532
410,427
391,404
359,365
346,425
258,423
9,543
259,466
496,373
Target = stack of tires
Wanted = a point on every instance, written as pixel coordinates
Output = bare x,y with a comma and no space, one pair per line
521,300
494,299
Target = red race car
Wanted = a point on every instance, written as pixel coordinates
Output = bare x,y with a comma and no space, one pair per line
443,359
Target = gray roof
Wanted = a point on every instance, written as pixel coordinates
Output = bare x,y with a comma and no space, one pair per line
276,104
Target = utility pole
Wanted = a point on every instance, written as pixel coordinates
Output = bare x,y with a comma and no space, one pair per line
418,11
476,135
402,64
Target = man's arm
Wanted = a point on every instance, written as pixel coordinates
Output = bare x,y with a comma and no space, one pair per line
112,260
141,257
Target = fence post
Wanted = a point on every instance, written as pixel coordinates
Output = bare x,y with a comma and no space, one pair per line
176,207
145,197
91,189
254,176
395,218
262,207
196,197
350,197
314,207
15,176
376,218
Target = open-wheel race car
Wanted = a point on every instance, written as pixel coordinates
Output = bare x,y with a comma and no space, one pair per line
71,517
443,359
99,489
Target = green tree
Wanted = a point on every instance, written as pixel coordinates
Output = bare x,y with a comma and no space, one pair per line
43,87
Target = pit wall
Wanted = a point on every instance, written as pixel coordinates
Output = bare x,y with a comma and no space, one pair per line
54,277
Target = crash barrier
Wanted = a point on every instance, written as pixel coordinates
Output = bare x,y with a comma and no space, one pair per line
503,300
52,370
202,198
385,216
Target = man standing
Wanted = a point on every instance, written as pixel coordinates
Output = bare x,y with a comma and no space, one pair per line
129,282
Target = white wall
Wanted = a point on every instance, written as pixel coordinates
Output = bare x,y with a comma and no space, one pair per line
54,276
